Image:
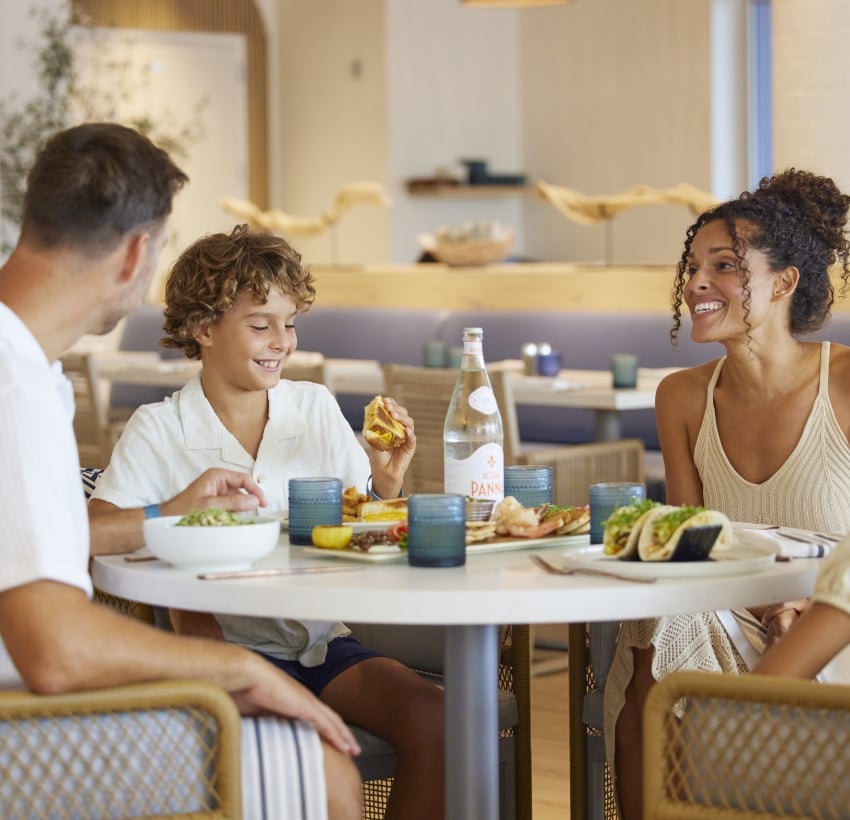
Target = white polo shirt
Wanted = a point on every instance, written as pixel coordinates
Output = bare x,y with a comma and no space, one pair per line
44,529
165,446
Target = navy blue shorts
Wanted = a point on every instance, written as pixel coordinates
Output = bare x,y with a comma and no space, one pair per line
343,653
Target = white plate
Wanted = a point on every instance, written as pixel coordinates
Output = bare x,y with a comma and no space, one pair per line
381,553
378,554
738,560
357,526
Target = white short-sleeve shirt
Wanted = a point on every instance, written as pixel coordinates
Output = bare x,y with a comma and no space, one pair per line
44,531
167,445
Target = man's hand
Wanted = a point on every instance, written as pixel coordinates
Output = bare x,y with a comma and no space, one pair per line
225,489
389,466
275,693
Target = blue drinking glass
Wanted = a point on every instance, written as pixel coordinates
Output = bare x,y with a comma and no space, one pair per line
436,530
313,502
530,484
605,498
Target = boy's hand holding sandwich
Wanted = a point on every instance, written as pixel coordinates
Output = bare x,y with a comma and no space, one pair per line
388,430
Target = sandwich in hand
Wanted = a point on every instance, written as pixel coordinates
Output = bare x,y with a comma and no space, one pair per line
388,509
664,527
380,429
622,528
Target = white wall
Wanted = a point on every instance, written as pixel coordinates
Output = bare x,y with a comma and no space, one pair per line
811,77
597,95
453,92
616,93
331,128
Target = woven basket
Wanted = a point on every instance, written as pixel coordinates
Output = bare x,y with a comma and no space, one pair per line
468,252
473,251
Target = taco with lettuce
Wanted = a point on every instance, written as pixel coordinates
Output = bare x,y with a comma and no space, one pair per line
664,527
622,528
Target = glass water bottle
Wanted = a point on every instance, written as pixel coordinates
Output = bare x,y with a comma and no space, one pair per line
473,453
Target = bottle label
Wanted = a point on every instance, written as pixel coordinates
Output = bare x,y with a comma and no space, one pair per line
473,348
483,400
482,475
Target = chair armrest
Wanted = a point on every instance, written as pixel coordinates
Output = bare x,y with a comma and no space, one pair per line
164,749
745,746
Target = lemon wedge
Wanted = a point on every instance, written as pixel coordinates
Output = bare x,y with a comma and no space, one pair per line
332,537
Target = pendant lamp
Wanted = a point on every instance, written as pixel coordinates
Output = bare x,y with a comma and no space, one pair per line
514,4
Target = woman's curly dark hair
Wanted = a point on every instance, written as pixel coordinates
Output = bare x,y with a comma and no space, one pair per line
795,218
211,274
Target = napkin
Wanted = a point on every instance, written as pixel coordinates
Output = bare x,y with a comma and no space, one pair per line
788,542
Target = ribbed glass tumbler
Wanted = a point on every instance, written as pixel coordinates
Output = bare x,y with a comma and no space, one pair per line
437,530
605,498
529,484
313,502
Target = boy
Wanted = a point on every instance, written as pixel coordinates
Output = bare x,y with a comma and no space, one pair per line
232,301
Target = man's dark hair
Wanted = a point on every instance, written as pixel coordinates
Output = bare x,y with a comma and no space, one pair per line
93,184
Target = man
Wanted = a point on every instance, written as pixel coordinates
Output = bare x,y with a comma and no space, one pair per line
93,227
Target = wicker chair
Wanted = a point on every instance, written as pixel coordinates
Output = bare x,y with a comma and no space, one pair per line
426,392
92,429
167,749
745,746
421,648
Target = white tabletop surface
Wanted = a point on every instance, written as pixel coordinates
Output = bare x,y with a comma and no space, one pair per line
489,589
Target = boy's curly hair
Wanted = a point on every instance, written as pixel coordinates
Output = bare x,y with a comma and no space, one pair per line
211,274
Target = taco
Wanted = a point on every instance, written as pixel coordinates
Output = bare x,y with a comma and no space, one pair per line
623,526
663,529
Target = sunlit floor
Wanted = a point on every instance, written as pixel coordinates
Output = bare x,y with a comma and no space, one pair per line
549,737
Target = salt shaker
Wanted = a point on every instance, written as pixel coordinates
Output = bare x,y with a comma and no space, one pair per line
529,358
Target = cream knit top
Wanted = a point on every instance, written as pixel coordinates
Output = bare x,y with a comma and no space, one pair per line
811,490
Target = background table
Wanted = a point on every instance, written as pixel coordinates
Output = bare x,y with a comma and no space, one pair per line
470,601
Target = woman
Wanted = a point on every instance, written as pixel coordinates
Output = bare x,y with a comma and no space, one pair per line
760,434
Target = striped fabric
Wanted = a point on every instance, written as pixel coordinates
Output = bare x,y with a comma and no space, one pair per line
89,475
282,771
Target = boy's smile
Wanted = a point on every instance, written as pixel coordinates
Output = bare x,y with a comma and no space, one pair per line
248,346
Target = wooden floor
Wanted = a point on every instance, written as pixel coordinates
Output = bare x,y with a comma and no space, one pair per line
549,736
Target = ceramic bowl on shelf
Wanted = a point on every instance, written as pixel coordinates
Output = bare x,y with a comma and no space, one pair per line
208,547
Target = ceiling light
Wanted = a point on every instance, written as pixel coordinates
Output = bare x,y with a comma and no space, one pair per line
514,4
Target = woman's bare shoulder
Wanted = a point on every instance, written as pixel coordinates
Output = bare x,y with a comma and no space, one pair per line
689,381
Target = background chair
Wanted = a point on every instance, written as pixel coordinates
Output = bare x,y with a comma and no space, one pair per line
745,746
314,372
426,393
168,749
94,434
421,648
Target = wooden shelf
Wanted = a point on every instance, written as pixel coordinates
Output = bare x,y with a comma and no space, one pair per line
448,191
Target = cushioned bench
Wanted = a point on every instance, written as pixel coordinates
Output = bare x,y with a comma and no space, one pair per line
585,339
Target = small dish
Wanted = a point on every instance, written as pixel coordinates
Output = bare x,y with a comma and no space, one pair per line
479,509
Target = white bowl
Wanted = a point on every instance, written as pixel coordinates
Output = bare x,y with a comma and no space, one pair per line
210,548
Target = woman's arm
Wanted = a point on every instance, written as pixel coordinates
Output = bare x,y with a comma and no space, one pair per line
679,400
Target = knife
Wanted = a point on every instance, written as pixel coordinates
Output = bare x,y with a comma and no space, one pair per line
264,573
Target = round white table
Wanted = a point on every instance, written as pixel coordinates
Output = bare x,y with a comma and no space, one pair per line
471,600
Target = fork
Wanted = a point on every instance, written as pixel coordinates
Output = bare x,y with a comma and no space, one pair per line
554,570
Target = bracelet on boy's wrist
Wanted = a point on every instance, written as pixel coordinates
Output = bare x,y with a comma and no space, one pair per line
373,495
152,511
